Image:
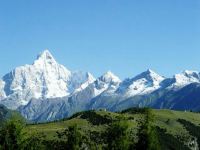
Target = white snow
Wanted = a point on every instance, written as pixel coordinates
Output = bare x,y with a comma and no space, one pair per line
45,78
2,93
106,83
144,83
185,78
90,80
110,77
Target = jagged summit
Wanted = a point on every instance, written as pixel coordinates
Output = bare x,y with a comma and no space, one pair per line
150,71
149,75
110,77
50,68
45,58
45,78
146,82
190,71
186,77
45,54
62,90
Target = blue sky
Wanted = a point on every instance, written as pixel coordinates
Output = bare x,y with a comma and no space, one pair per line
124,36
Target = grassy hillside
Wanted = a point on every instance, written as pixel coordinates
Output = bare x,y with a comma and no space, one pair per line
131,129
168,127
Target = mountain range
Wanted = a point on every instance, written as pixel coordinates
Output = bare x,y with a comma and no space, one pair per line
47,91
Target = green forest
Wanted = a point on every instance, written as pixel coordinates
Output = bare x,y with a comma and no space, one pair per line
139,129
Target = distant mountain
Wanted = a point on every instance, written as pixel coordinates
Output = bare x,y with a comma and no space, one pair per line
45,78
6,114
46,90
57,108
143,83
187,98
184,78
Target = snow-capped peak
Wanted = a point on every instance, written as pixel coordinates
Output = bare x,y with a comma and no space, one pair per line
109,77
151,76
150,71
185,78
46,63
143,83
190,73
45,58
45,55
45,78
90,77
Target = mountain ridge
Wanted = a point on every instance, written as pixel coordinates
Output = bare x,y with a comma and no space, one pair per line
45,78
63,92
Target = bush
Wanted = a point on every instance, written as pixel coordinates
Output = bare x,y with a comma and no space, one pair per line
135,110
117,137
74,139
95,118
148,138
167,141
192,128
11,135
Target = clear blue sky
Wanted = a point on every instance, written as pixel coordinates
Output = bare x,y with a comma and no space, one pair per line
124,36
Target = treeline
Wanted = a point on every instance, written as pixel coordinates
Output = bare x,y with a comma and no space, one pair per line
13,137
148,138
117,136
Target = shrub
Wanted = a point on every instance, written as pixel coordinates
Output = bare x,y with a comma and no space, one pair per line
11,135
117,137
192,128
